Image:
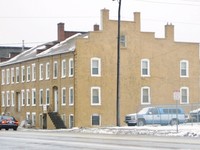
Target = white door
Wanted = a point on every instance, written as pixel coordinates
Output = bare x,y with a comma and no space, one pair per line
55,100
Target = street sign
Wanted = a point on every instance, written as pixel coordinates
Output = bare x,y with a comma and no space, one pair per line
176,95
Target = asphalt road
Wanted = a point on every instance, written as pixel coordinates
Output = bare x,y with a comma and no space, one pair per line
62,140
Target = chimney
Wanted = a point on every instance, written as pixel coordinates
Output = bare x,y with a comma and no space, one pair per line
104,18
61,32
137,21
96,27
169,31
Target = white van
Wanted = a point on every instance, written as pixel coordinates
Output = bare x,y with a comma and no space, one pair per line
156,115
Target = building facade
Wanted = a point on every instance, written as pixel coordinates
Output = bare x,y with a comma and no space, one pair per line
77,77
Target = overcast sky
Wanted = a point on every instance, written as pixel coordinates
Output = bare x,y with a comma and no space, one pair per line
35,21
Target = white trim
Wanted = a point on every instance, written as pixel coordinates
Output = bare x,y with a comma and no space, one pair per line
28,94
47,71
64,88
188,96
149,95
41,72
23,74
71,67
28,74
148,67
98,67
187,68
55,69
32,97
71,101
63,68
41,97
22,97
99,95
46,97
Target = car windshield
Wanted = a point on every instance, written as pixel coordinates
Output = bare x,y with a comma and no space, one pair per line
143,111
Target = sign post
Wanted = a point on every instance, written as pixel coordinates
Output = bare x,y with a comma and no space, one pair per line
176,96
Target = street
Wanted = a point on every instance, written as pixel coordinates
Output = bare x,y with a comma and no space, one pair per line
58,140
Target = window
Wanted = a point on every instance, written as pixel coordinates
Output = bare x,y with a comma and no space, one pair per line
55,69
3,77
33,118
71,96
33,97
63,96
184,92
71,121
12,75
41,97
47,71
41,72
23,97
2,99
28,74
12,98
47,97
95,96
63,116
63,68
8,76
95,120
184,68
17,74
123,41
71,67
145,95
8,99
28,100
23,73
145,68
95,67
28,117
33,72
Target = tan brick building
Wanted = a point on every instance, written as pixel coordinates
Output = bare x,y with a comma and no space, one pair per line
77,77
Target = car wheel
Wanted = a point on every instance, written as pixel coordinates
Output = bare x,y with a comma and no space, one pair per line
15,129
6,128
141,122
174,122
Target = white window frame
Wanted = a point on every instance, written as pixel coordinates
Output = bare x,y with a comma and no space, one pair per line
17,75
147,68
41,71
12,98
22,98
3,77
2,99
71,67
64,96
64,68
96,115
47,96
41,97
28,99
142,95
33,72
33,117
71,123
33,97
55,69
8,76
23,75
71,96
98,67
12,76
99,96
187,96
186,62
8,98
28,74
47,70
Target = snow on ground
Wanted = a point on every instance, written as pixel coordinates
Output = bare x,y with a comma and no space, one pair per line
184,130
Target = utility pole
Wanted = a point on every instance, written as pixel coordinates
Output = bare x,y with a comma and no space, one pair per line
118,67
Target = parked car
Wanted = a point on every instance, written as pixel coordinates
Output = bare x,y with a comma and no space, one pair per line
8,122
156,115
195,115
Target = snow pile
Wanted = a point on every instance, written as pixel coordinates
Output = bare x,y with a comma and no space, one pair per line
186,130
